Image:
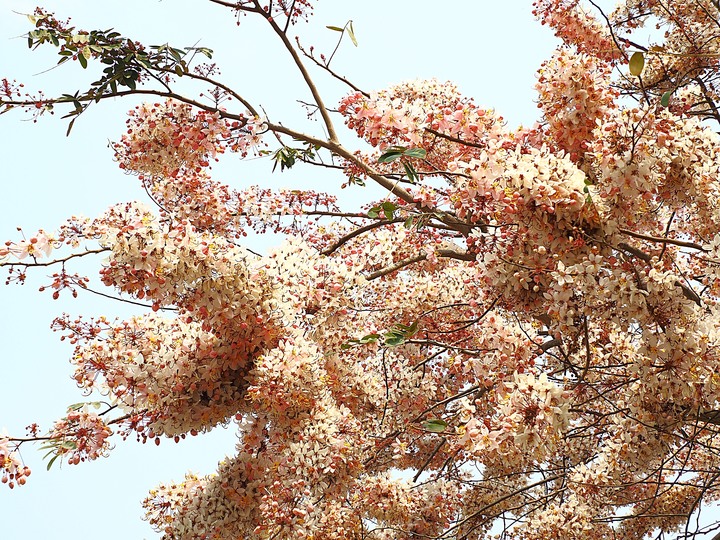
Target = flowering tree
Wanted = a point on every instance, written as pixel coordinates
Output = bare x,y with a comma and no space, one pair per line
522,330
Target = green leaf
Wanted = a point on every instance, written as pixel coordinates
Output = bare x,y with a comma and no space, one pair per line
83,61
285,156
70,126
143,61
393,339
81,404
351,33
204,50
335,28
393,153
370,338
637,63
374,212
177,54
435,425
411,172
412,329
418,153
665,99
408,223
388,209
50,463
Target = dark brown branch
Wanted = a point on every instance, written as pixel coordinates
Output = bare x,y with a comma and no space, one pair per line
662,240
446,346
422,468
357,232
454,139
640,254
550,344
447,253
397,266
446,401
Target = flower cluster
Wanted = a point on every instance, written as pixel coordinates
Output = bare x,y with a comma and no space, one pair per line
415,112
175,373
577,27
418,510
525,323
12,469
574,96
39,245
79,436
690,44
168,139
533,414
643,157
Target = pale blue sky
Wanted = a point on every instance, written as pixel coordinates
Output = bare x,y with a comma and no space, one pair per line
490,49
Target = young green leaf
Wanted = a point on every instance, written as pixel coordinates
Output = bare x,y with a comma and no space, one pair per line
335,28
370,338
70,126
391,154
418,153
50,463
411,172
393,340
435,425
665,99
351,33
412,329
637,63
357,181
388,209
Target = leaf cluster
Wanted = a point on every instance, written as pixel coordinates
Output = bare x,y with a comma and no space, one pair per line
126,61
396,335
287,156
403,154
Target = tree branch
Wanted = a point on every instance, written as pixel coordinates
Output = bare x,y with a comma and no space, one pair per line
448,253
332,135
662,240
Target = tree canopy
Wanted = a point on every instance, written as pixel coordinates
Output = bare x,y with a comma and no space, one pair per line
520,333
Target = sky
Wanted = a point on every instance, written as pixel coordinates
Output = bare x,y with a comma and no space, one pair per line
491,50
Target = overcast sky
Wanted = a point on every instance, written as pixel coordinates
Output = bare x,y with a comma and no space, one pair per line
490,49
